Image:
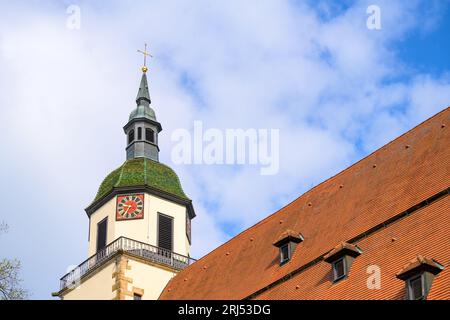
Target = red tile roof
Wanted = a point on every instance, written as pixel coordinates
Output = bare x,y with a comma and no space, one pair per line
394,206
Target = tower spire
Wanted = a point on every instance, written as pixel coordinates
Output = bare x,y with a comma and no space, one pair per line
142,128
143,95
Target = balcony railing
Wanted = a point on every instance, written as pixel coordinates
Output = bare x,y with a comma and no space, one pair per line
137,248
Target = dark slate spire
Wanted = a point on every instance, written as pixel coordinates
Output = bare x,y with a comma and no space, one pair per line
143,96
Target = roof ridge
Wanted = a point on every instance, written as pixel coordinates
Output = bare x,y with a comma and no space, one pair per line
269,217
120,175
355,163
379,149
145,172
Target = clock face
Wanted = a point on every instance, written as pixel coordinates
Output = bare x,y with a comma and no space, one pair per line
130,207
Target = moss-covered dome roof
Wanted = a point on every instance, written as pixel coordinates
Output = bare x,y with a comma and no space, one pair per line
142,172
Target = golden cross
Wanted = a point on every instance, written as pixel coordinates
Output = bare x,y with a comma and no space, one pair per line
146,54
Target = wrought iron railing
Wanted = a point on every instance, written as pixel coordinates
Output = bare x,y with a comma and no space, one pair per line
137,248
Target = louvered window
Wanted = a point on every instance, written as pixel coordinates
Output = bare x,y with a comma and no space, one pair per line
131,136
165,232
101,234
188,227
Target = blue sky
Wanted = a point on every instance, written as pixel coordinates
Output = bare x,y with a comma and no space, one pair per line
335,90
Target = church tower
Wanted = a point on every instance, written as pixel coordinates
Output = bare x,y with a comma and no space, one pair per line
139,221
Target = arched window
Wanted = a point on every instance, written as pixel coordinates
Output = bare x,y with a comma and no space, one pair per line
149,135
130,136
139,133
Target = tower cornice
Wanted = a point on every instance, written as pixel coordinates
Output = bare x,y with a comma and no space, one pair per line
94,206
142,119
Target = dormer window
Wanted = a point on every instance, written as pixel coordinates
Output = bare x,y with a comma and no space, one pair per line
339,270
284,253
418,275
416,288
286,244
341,259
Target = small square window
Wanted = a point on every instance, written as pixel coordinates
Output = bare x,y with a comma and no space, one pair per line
339,269
285,255
415,288
137,296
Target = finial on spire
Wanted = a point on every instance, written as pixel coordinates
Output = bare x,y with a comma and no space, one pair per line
146,54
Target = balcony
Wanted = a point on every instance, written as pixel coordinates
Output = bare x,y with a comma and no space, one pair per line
130,246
